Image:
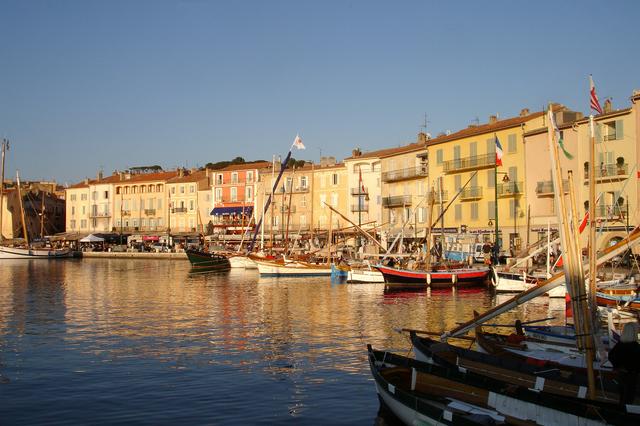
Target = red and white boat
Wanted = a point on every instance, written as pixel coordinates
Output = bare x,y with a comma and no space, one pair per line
443,278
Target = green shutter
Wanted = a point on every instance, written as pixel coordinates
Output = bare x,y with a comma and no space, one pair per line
619,130
598,132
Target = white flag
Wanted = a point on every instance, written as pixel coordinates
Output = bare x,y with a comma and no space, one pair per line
298,142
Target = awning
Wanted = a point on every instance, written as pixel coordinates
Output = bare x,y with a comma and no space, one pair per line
92,239
219,211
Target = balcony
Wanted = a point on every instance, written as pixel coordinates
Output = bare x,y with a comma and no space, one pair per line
286,190
179,210
510,189
150,212
471,193
436,197
609,173
545,188
612,212
287,209
364,207
402,174
98,215
396,201
359,191
477,162
125,212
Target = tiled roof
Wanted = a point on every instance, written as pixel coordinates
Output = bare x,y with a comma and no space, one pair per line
191,177
245,166
416,146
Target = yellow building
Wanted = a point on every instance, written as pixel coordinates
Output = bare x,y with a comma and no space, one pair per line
468,157
365,187
184,214
330,188
78,207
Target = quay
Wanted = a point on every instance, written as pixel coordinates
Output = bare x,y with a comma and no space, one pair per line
135,255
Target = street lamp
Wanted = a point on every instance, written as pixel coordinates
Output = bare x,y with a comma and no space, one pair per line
496,244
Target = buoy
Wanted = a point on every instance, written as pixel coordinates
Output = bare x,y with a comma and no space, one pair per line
429,279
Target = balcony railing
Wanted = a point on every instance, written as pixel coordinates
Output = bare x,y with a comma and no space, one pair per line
359,191
150,212
436,197
285,209
398,200
545,188
469,163
285,190
179,210
401,174
125,212
614,211
471,193
610,172
364,207
510,189
98,215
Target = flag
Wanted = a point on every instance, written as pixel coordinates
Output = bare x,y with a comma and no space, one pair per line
298,142
595,103
559,136
362,190
498,152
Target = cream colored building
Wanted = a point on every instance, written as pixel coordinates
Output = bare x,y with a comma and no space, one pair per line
184,213
616,137
364,183
78,208
329,187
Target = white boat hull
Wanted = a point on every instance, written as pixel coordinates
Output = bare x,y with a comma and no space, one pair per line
242,262
364,276
292,268
27,253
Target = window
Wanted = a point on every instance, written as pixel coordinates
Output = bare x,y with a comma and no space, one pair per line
142,189
83,223
512,145
422,214
134,189
173,189
151,200
303,201
458,210
334,199
160,203
323,200
249,176
219,180
73,197
439,157
491,179
334,179
72,223
192,189
303,182
94,195
150,189
182,189
248,193
303,220
234,193
142,204
73,210
491,210
491,146
218,194
612,130
83,197
191,205
513,208
474,211
473,149
84,210
143,222
458,182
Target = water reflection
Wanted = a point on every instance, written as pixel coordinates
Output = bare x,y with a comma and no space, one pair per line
145,340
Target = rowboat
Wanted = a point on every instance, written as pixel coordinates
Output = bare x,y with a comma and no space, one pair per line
291,268
202,261
444,278
33,253
419,392
241,261
364,275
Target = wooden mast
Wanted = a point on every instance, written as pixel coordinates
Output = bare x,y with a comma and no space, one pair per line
330,238
286,237
427,259
593,271
24,223
5,146
42,216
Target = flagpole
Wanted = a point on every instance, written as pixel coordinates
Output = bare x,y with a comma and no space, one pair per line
496,244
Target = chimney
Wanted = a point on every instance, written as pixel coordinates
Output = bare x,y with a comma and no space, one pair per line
607,106
493,119
356,152
99,176
181,172
86,181
422,137
524,112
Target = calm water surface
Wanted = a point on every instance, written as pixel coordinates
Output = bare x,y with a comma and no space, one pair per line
144,342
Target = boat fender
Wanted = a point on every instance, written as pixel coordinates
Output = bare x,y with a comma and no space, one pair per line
429,279
454,278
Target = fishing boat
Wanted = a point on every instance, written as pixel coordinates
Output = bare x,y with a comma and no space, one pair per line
418,392
292,268
364,275
627,300
241,261
512,281
7,252
203,261
435,278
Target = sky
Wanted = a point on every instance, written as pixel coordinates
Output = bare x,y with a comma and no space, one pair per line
107,85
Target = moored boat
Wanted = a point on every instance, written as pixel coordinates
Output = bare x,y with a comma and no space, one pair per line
443,278
241,261
283,268
202,261
33,253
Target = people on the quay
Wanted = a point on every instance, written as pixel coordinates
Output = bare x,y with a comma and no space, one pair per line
625,358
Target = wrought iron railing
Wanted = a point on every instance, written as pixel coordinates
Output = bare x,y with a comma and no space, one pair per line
469,163
400,174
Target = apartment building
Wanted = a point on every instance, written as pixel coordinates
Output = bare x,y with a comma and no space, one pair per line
364,185
616,183
329,187
184,214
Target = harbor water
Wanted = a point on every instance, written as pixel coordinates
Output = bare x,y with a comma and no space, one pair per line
113,341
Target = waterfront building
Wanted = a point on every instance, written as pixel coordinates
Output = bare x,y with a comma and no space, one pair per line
616,145
78,208
234,195
404,176
329,187
184,215
468,157
365,187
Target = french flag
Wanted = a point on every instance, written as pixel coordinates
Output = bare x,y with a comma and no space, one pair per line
498,152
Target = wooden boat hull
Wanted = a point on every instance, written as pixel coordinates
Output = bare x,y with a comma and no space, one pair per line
207,262
365,276
630,301
292,269
472,277
241,262
432,389
33,253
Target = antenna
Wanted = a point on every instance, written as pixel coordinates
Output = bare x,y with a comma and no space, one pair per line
476,120
424,124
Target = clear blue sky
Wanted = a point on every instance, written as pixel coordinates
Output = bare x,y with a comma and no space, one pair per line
114,84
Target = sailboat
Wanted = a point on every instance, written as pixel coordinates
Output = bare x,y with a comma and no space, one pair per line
26,251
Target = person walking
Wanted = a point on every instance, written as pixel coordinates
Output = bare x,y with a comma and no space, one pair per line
624,357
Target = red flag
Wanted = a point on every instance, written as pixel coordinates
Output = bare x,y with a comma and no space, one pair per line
595,103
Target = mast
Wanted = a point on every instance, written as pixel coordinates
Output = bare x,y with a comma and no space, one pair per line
24,223
5,146
330,239
593,272
427,259
286,237
42,215
440,179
